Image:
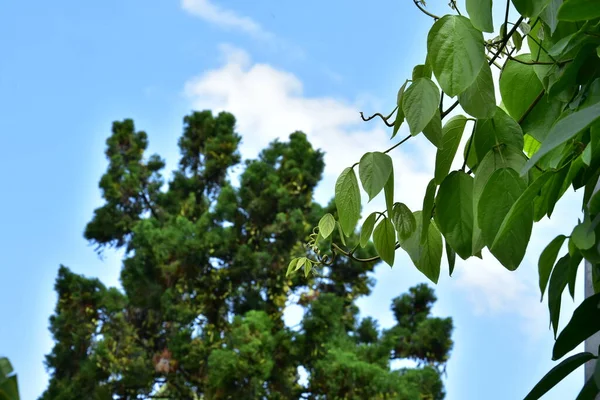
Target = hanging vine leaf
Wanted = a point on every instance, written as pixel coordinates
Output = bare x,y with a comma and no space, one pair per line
347,200
547,260
454,212
455,50
419,103
479,99
558,283
399,113
404,221
584,323
427,254
502,190
480,12
519,86
367,229
530,8
451,135
374,170
501,129
514,233
384,239
557,374
428,202
578,10
433,130
326,225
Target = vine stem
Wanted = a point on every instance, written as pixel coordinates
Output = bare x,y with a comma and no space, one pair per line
425,11
349,255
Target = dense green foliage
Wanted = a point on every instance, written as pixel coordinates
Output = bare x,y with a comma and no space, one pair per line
521,156
9,388
204,286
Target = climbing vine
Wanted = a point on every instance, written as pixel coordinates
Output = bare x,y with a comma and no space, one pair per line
523,152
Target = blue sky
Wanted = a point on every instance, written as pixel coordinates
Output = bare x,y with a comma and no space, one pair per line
70,68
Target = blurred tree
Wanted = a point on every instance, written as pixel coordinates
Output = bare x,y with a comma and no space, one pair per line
201,313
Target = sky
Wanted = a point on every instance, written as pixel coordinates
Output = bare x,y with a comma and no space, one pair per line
70,68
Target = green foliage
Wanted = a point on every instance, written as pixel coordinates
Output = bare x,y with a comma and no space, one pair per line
9,388
526,150
207,275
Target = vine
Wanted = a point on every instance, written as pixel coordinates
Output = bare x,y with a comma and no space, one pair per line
521,157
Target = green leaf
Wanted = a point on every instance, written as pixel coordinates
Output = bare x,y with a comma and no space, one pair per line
451,256
564,130
307,267
404,221
500,129
374,170
514,233
451,135
292,266
419,103
519,86
340,232
574,263
499,157
547,260
456,53
367,229
558,282
502,190
550,14
389,194
384,239
517,40
530,145
589,390
479,99
421,71
428,202
433,130
454,212
583,235
347,200
597,375
557,374
586,156
399,114
426,255
326,225
541,118
530,8
578,10
480,12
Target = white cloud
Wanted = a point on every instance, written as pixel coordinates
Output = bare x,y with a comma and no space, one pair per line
214,14
269,103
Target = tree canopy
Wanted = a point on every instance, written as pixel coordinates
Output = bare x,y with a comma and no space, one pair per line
201,313
522,153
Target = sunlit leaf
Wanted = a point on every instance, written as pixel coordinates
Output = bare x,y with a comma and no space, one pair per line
326,225
347,200
480,12
456,52
374,170
419,103
564,130
367,229
519,86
